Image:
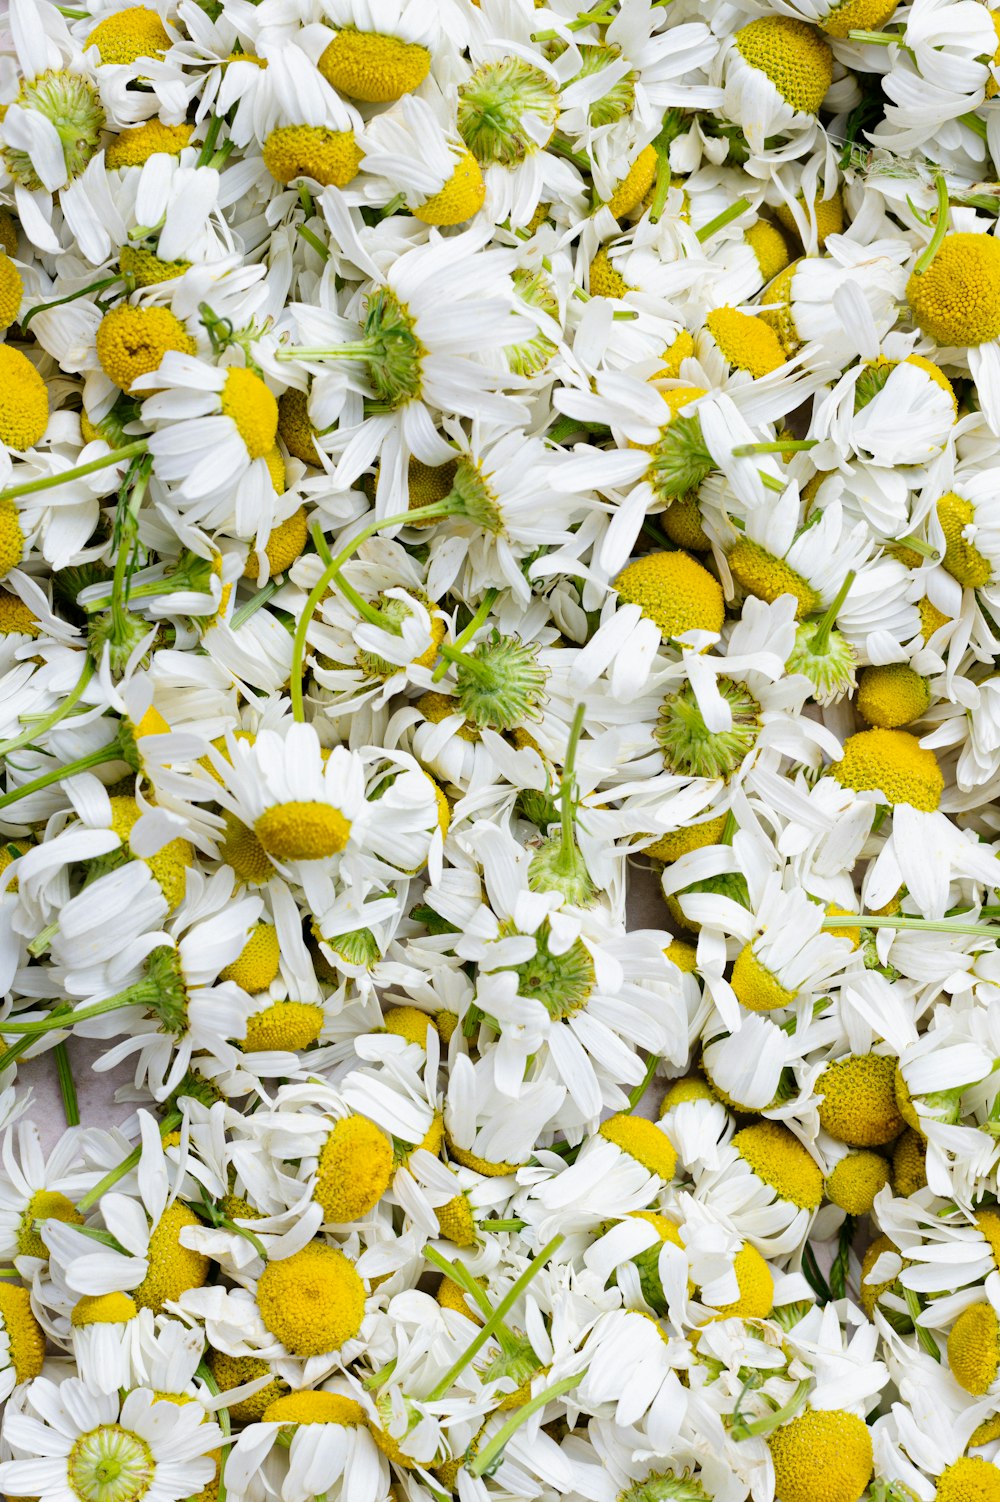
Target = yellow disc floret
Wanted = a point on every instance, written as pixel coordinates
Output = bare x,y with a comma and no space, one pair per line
858,1104
302,831
132,342
409,1023
456,1222
146,269
674,355
11,291
691,1086
855,1182
373,66
974,1348
253,408
329,157
793,55
294,428
759,573
745,342
642,1140
962,559
769,246
103,1309
824,1455
635,184
24,408
286,1026
670,847
312,1301
27,1340
171,862
45,1204
256,965
909,1163
314,1408
780,1161
130,34
132,148
756,988
173,1268
354,1170
11,537
234,1371
286,543
893,763
17,618
242,850
891,695
777,311
756,1285
861,15
969,1479
957,299
674,591
450,1296
461,196
605,281
829,214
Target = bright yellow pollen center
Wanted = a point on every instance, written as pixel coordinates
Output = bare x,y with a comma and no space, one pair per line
17,618
171,862
27,1341
130,34
285,1026
456,1222
11,291
974,1348
450,1296
759,573
969,1479
314,1408
675,592
461,196
409,1023
45,1204
242,850
146,269
745,342
104,1309
756,1285
635,184
769,247
24,412
957,299
856,1180
962,559
829,212
131,342
909,1163
780,1161
793,55
253,408
256,965
756,988
931,618
823,1455
234,1371
12,539
354,1170
859,1102
781,316
173,1268
133,148
690,1086
285,544
313,1301
302,831
605,281
891,695
294,428
373,66
643,1141
893,763
674,355
670,847
328,157
861,15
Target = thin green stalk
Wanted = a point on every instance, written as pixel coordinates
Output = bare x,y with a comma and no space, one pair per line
460,1275
496,1319
208,145
58,774
367,611
720,221
490,1455
511,1224
314,240
922,925
58,302
776,446
67,1085
743,1430
169,1123
876,38
481,671
485,606
251,606
975,123
923,1335
133,996
225,1424
918,545
821,640
940,227
661,185
320,543
50,482
639,1090
46,722
770,483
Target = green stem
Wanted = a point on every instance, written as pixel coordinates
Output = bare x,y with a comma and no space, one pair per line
380,1378
481,671
43,939
418,513
496,1319
512,1224
314,240
460,1275
821,640
563,149
923,1335
877,38
489,1456
917,545
58,774
770,483
367,611
211,136
67,1085
130,503
132,996
320,543
169,1124
940,227
50,482
975,124
924,925
251,606
57,302
775,446
225,1424
661,187
485,606
639,1090
721,220
743,1430
48,721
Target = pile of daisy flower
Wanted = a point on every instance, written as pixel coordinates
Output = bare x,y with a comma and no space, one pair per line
478,477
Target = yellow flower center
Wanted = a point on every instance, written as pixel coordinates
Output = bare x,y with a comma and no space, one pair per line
294,428
969,1479
759,573
314,1408
962,559
769,247
988,1224
461,196
756,1285
328,157
24,411
781,318
670,847
974,1348
871,1293
859,1102
287,1025
285,544
130,34
8,232
793,55
691,1086
456,1222
675,592
253,408
681,349
635,184
450,1296
173,1268
892,695
16,618
756,988
861,15
855,1182
373,66
11,291
256,965
132,342
409,1023
146,269
302,831
957,299
829,212
780,1161
824,1455
133,148
27,1340
354,1170
931,618
909,1163
605,281
893,763
103,1309
313,1301
169,865
234,1371
642,1140
745,342
45,1204
486,1166
242,850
